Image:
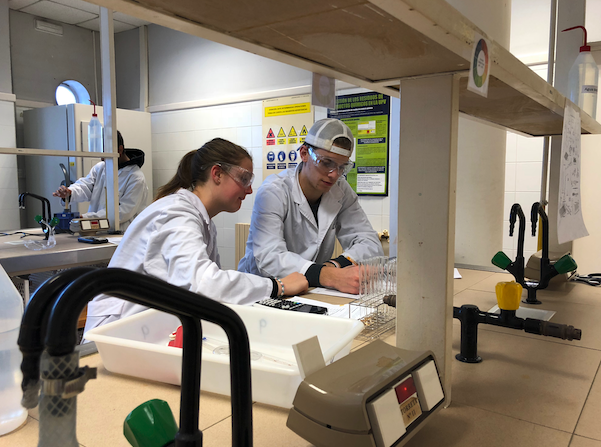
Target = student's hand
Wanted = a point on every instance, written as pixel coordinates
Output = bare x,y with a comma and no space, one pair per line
62,192
294,284
345,280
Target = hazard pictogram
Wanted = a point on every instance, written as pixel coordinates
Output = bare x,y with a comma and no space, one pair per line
304,131
270,134
292,132
281,133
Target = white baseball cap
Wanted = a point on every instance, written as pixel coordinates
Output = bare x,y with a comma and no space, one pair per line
323,133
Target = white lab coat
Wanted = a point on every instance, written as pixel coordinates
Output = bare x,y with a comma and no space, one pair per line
175,240
284,236
133,192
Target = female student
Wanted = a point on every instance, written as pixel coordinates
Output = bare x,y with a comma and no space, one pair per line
174,239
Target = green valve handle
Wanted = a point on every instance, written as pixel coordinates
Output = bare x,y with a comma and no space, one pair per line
54,222
38,218
565,264
501,260
150,425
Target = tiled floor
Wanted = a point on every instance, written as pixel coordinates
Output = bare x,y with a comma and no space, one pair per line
529,390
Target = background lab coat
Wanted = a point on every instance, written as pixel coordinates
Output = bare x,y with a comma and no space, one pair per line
132,192
284,237
173,239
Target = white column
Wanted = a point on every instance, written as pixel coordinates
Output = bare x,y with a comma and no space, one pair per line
426,217
109,101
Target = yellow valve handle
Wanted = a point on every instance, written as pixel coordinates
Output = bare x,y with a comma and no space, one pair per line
508,295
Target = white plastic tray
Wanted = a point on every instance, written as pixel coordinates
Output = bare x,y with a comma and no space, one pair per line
137,346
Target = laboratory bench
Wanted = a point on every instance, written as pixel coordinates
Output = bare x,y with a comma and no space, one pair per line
16,259
510,399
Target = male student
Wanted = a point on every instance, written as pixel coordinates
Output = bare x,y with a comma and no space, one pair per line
133,191
299,213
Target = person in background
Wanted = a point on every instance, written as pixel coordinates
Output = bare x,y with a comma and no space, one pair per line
299,213
175,239
133,191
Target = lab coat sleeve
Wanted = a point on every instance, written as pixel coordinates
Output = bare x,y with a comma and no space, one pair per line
81,190
354,231
177,253
268,244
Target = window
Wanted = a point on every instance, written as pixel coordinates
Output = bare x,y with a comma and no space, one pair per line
71,92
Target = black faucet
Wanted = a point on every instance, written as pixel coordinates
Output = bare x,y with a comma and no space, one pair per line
547,270
45,217
54,310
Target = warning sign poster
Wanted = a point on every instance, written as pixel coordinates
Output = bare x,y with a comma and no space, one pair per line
286,122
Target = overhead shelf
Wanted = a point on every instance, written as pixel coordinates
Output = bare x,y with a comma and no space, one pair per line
373,44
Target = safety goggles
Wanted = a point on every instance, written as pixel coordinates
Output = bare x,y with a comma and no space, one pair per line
326,165
242,176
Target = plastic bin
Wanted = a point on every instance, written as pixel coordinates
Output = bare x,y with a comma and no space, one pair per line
137,346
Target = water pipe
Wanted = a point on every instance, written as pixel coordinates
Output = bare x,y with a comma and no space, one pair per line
189,307
508,299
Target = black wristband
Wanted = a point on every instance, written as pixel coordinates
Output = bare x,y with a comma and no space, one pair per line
343,261
274,292
312,275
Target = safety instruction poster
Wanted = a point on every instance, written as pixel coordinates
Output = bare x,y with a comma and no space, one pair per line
570,223
286,122
367,115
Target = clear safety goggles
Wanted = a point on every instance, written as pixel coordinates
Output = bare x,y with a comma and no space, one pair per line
327,165
242,176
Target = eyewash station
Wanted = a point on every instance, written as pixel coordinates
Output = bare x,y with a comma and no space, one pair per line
450,360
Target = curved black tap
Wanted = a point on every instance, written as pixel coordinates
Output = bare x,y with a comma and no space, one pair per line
188,307
516,268
45,217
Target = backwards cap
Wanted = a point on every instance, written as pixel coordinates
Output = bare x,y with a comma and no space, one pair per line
323,133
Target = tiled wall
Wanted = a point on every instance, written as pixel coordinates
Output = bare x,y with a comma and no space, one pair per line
175,133
523,171
9,204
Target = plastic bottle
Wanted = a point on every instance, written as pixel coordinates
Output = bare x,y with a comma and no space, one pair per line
94,133
583,79
12,414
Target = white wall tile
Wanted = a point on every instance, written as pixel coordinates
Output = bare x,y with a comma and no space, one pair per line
10,221
9,199
161,142
226,238
526,199
160,177
386,221
244,137
219,221
511,147
512,253
529,149
371,205
7,113
530,242
160,122
8,136
508,203
528,254
528,176
256,113
8,161
376,221
237,115
509,243
167,160
257,136
510,170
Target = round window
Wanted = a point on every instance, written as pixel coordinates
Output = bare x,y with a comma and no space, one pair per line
71,92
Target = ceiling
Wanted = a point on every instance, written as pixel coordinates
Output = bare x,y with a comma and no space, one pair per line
74,12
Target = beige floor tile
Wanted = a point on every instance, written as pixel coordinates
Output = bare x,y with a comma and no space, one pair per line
463,426
24,436
109,406
579,441
469,278
269,429
520,377
488,284
588,424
